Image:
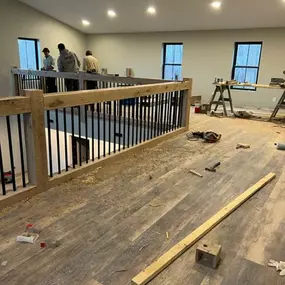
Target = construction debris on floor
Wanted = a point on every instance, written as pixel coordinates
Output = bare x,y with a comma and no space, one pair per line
280,146
213,168
209,136
279,265
242,145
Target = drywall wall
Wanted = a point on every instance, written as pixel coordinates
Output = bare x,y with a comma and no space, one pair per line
207,54
19,20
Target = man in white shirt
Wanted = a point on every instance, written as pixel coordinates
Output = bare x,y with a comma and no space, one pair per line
68,62
49,64
91,65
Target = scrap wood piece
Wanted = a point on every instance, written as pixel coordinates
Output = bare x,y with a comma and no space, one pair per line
155,268
195,173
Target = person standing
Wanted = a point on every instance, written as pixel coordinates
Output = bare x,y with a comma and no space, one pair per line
68,62
91,65
49,64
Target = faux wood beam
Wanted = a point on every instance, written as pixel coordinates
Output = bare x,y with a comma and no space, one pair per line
165,260
79,98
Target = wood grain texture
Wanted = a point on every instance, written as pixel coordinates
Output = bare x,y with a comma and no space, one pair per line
97,214
165,260
14,105
36,138
69,99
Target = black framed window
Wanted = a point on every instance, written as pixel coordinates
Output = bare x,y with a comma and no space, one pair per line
246,63
172,61
29,53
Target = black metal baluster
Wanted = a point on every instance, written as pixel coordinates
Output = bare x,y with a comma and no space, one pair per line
109,110
2,173
86,135
120,129
141,116
148,116
170,112
104,129
165,112
21,150
79,134
175,111
137,120
11,153
161,113
156,114
144,118
57,141
92,106
124,139
115,127
133,102
99,124
129,122
65,139
49,145
74,147
152,116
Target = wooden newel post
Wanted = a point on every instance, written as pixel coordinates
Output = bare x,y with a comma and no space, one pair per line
34,126
187,103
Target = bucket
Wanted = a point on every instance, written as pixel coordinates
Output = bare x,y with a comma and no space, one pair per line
197,108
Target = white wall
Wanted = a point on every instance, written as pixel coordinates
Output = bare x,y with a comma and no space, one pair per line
19,20
207,54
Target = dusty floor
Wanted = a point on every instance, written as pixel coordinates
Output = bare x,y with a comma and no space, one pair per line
112,223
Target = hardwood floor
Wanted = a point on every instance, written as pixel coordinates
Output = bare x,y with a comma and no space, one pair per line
112,223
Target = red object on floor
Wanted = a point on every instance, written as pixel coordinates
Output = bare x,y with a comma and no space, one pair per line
29,225
43,244
197,109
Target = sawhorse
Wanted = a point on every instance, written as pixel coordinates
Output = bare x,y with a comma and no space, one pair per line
280,105
220,89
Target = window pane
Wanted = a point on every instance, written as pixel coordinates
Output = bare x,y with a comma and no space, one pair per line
251,75
240,74
178,54
171,72
27,54
242,55
169,55
254,55
173,53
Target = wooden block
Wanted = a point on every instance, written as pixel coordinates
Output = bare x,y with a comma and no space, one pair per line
208,254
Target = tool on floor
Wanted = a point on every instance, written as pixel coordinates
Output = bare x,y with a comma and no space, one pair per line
195,173
213,168
280,146
242,145
279,265
209,136
208,254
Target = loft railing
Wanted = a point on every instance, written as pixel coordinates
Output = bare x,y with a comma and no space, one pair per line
48,139
52,82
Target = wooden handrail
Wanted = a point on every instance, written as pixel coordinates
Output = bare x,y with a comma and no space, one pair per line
78,98
14,105
86,76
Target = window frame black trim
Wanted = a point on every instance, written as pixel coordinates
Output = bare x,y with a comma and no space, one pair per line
164,57
245,88
36,42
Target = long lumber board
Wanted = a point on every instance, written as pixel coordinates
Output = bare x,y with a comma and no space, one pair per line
159,265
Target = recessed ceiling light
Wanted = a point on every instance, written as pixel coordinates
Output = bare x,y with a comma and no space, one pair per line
216,4
151,10
85,23
112,13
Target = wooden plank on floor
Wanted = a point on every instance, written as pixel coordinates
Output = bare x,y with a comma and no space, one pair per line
155,268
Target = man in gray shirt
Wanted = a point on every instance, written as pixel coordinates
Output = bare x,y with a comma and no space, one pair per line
68,62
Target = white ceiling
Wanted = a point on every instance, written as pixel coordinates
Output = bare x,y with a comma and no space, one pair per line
172,15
